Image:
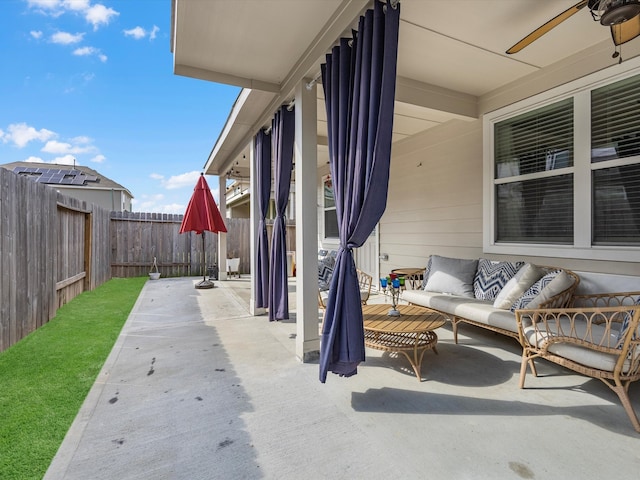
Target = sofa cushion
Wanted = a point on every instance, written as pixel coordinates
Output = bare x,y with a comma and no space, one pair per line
519,284
451,275
548,286
481,311
492,276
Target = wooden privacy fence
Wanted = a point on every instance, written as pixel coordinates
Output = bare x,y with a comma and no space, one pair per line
52,248
136,238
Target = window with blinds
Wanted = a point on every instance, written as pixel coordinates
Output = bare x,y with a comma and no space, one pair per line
534,195
615,159
552,190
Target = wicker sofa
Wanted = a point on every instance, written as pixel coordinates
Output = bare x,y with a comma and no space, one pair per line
598,336
486,293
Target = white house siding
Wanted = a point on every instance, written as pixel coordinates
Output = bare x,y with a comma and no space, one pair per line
434,204
435,199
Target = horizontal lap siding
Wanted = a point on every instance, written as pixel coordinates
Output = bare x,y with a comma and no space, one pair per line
434,204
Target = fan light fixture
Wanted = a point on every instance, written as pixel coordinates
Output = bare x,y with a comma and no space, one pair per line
621,16
617,11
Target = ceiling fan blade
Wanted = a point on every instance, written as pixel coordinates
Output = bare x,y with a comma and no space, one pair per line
554,22
625,31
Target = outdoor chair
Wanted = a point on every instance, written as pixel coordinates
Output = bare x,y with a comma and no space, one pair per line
599,337
233,266
364,281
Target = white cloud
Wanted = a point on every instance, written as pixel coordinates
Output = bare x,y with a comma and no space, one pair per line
88,51
183,180
156,203
137,33
76,5
65,160
98,159
81,139
84,51
50,6
65,38
157,176
53,146
20,134
33,159
98,15
37,34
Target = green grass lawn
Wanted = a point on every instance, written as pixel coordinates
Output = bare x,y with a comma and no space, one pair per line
45,377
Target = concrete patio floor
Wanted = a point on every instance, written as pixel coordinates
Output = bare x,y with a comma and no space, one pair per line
197,388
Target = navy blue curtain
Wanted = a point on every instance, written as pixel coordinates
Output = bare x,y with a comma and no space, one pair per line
282,131
359,79
262,146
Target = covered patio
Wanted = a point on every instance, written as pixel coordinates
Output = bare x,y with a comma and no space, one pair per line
454,82
197,387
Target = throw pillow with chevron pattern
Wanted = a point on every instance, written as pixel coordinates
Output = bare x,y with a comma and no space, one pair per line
534,291
325,271
425,276
492,276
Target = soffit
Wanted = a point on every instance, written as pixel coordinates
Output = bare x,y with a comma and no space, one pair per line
451,53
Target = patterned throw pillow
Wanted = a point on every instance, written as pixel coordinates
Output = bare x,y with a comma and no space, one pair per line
325,271
625,326
534,290
492,276
425,277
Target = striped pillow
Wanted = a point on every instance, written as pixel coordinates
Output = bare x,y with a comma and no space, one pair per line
492,276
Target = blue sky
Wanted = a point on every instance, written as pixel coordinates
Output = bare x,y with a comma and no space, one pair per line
93,81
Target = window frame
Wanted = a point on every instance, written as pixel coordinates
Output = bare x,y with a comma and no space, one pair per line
582,247
325,209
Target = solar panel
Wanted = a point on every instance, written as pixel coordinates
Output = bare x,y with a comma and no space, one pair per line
56,176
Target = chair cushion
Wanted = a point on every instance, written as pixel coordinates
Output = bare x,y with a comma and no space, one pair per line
519,283
492,276
451,275
577,353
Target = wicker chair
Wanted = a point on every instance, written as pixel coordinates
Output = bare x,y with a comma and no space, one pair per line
599,336
364,281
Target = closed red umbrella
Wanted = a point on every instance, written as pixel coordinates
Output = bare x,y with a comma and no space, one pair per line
202,214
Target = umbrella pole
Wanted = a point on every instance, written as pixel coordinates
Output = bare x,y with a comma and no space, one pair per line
204,283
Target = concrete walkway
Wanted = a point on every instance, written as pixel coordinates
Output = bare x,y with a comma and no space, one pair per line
197,388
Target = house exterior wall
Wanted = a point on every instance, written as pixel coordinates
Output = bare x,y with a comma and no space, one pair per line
435,200
111,200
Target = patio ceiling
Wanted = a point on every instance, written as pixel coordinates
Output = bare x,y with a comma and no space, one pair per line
451,55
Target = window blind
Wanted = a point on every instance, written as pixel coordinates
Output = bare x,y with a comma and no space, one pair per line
615,120
535,141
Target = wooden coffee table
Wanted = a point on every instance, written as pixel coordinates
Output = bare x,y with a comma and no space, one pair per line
412,333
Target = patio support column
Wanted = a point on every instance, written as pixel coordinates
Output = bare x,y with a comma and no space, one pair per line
306,201
254,225
222,237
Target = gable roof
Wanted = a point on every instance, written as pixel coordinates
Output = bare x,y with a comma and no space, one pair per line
64,175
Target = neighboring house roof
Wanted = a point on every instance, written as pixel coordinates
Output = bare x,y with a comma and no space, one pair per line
64,175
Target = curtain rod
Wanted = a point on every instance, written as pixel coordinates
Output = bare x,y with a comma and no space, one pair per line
315,80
